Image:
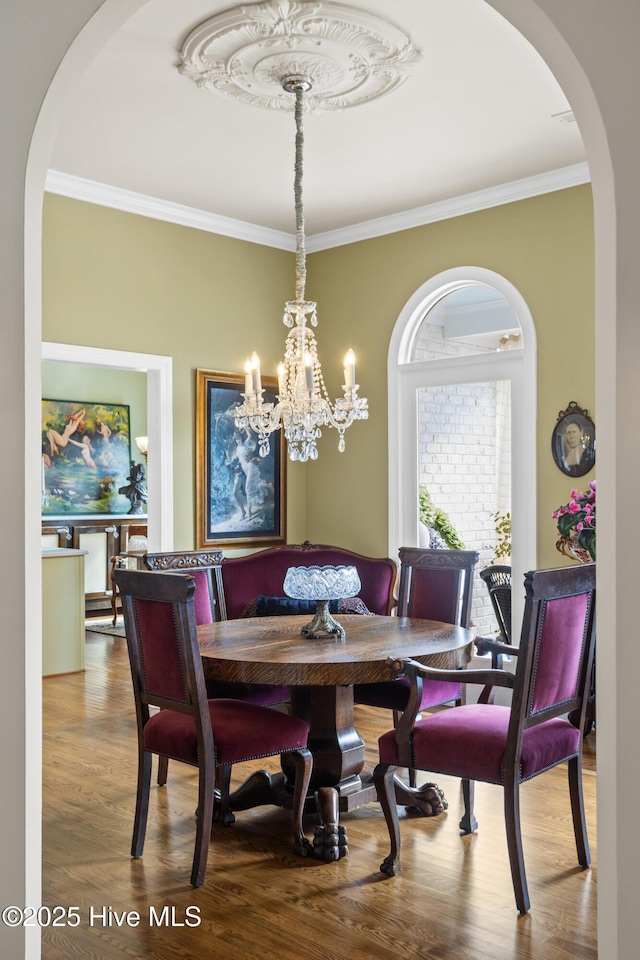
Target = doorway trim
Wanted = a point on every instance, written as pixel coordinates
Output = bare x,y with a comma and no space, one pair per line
159,424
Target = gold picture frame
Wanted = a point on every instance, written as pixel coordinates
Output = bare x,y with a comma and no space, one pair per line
240,496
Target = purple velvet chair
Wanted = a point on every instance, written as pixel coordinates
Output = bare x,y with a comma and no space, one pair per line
434,585
508,745
205,566
166,668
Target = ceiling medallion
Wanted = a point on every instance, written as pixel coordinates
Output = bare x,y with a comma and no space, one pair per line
351,56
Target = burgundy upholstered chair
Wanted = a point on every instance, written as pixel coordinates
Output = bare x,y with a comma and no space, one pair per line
508,745
205,566
434,585
166,668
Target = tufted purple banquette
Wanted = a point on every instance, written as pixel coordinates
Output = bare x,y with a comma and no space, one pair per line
262,574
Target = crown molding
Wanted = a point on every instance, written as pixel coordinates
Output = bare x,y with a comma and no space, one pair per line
78,188
523,189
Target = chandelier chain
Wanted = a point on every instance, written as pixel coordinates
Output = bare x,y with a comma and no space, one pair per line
301,264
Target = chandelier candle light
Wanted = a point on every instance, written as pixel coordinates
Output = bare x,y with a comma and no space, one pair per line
303,406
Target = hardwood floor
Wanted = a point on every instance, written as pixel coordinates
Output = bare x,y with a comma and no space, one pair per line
452,901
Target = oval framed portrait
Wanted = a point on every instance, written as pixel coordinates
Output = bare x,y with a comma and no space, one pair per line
573,441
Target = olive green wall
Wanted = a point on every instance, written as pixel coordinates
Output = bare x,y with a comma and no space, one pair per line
115,280
544,247
120,281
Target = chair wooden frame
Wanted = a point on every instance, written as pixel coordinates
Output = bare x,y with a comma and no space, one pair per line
209,561
178,592
183,561
460,562
541,587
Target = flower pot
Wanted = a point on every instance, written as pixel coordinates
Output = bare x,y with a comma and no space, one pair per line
570,548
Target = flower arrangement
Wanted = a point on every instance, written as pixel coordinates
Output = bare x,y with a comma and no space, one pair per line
577,524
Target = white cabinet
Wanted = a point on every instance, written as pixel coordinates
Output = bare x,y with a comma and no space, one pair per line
62,611
101,539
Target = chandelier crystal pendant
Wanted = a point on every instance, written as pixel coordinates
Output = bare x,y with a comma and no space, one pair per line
303,406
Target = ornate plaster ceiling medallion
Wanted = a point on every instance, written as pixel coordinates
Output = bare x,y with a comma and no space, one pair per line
350,55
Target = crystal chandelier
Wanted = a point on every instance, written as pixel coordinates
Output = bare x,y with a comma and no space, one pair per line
303,406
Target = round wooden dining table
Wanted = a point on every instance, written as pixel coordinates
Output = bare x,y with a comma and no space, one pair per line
321,673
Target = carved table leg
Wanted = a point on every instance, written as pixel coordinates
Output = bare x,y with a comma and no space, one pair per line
338,758
329,837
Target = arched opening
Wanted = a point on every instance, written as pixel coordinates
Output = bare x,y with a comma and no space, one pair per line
463,368
531,19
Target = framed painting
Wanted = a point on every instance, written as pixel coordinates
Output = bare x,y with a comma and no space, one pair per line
573,441
86,458
240,496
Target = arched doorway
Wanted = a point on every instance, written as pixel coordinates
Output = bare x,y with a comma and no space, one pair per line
576,60
477,371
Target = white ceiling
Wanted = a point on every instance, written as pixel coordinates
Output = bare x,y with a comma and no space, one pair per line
476,112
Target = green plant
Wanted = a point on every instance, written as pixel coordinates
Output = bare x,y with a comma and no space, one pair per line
438,520
502,522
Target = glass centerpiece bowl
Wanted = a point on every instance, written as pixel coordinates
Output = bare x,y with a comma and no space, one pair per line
322,584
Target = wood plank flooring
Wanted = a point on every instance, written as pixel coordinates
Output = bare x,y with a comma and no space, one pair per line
452,901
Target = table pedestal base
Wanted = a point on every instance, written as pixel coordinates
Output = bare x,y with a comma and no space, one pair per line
330,841
337,783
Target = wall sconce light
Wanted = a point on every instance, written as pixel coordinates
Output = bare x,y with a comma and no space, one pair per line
142,444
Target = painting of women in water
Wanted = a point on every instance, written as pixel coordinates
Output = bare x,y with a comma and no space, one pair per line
85,458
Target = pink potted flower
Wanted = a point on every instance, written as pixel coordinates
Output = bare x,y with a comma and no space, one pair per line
577,525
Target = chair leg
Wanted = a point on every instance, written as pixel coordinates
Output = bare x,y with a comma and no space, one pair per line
468,824
514,844
577,811
142,802
163,766
303,766
413,775
383,781
222,781
204,818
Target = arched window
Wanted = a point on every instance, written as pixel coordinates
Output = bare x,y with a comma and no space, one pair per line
462,414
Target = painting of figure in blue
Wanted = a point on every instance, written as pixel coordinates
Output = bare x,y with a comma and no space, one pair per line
244,489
